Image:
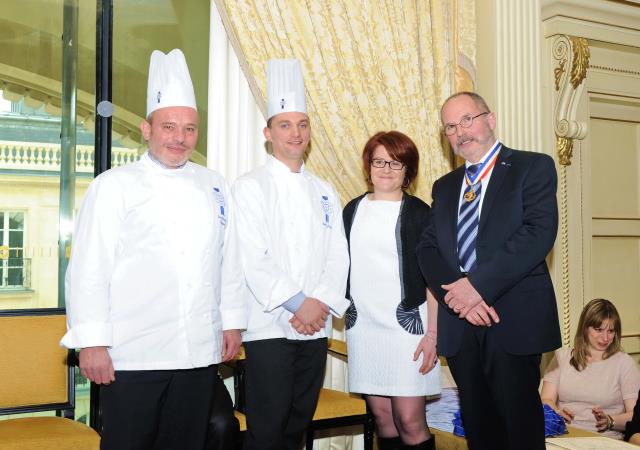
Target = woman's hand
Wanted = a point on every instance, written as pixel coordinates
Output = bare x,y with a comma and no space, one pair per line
426,346
603,420
566,414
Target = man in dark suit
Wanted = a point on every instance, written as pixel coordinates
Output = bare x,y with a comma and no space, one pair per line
493,221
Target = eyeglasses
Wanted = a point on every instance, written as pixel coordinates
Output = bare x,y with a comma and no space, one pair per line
466,122
393,165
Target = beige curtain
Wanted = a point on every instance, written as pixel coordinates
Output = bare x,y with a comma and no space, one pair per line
369,65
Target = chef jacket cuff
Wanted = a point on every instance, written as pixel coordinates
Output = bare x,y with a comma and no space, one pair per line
90,334
294,303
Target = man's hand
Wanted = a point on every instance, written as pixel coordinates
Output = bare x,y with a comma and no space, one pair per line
482,315
96,365
300,327
461,296
231,340
310,317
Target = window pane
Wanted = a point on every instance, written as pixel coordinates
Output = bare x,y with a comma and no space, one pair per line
15,262
136,33
15,239
16,221
31,69
15,277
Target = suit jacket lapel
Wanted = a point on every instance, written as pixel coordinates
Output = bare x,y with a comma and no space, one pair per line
453,204
498,174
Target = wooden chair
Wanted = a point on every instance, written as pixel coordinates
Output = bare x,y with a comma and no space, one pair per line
38,375
335,409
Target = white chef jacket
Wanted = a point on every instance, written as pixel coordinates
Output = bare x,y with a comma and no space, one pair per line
292,240
145,274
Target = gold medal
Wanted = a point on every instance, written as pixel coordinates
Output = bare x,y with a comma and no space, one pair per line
470,196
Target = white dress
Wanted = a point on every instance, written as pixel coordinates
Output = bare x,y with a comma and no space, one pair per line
380,349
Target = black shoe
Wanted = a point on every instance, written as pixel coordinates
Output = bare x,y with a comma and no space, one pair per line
429,444
389,443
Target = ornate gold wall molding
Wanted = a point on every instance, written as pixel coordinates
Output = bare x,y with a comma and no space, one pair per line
572,55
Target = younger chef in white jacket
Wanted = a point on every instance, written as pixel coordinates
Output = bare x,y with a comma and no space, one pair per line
153,279
296,263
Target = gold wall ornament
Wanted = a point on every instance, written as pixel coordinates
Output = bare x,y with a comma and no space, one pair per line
580,64
571,52
558,71
4,252
564,149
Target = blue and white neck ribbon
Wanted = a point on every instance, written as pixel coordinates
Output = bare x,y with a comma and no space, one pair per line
483,168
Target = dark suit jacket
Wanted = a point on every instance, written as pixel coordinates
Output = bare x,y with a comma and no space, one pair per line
518,226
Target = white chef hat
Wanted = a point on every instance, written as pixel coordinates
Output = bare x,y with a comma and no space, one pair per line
169,81
285,87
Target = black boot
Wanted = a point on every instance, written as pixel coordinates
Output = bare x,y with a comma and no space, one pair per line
429,444
389,443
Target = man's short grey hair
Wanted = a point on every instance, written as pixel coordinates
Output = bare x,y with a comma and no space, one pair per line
477,99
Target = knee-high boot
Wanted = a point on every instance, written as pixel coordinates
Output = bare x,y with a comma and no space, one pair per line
429,444
389,443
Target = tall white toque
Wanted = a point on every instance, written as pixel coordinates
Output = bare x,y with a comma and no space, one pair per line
169,82
285,87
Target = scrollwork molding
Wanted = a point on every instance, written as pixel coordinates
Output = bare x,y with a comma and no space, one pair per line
572,56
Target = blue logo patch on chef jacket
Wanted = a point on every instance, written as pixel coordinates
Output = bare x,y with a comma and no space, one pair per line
220,199
327,211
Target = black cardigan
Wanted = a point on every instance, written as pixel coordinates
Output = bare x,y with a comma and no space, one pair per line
413,218
633,426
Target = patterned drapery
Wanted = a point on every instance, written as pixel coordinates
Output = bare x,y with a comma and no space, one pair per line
368,65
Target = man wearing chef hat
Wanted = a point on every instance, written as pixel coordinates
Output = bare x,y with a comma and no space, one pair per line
147,294
296,262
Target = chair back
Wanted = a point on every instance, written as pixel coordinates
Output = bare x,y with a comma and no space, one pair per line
35,370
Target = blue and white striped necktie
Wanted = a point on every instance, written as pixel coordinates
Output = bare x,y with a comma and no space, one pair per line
468,219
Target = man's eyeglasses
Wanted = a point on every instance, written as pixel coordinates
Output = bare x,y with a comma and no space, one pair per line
466,122
380,163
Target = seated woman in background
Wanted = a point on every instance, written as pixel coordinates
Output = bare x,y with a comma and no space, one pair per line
391,323
632,433
594,386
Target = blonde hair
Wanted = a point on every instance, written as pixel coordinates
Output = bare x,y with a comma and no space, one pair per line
593,315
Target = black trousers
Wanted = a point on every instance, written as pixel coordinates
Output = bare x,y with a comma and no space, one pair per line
500,404
224,429
157,409
283,380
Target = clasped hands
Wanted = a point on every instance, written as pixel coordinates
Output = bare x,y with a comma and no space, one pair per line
603,420
465,301
310,317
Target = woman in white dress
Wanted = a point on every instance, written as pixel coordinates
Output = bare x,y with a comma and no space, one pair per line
391,323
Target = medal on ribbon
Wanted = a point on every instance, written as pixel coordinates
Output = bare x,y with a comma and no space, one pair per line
472,178
470,196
